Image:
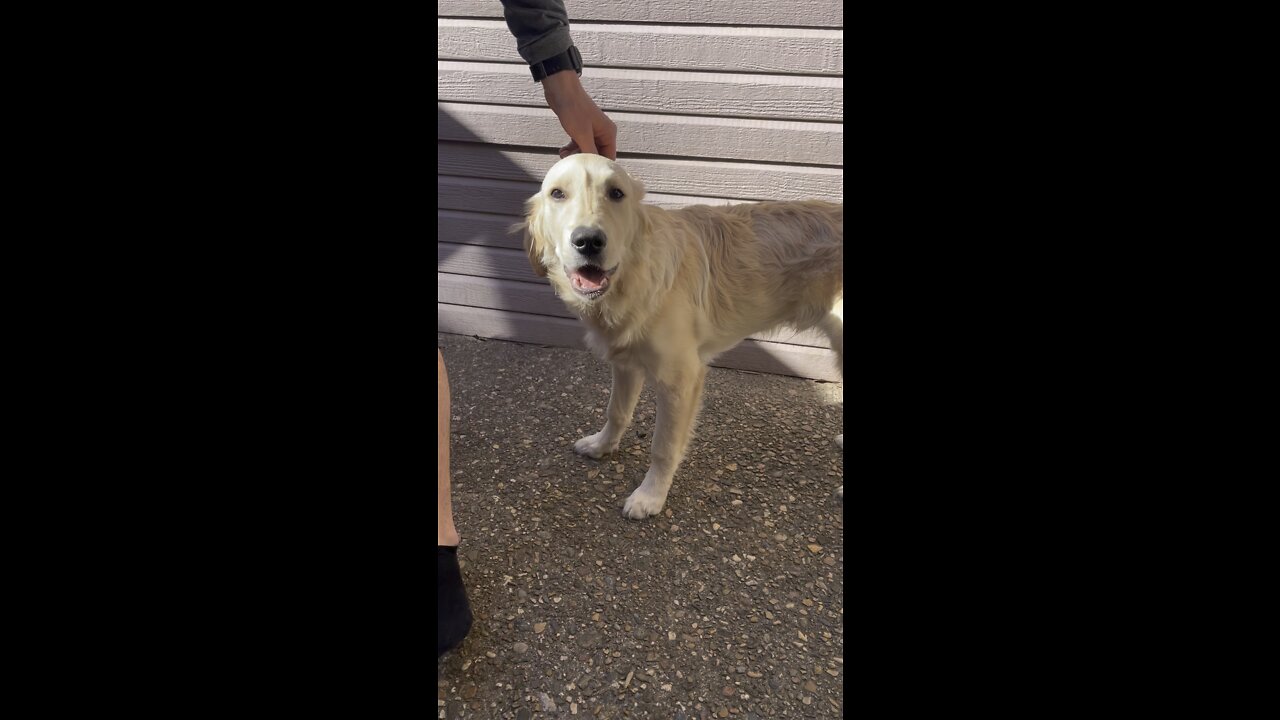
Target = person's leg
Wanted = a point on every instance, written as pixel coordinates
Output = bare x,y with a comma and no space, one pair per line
453,612
446,533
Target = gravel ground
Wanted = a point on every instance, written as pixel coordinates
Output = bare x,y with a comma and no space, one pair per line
728,604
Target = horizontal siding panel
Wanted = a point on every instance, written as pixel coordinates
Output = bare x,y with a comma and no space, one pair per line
759,356
744,181
507,197
780,359
540,299
469,228
531,297
503,325
672,135
662,47
811,337
490,262
692,93
807,13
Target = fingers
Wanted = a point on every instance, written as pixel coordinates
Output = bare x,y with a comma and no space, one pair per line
584,143
599,140
608,150
607,137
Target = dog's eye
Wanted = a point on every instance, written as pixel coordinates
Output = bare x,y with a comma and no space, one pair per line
557,194
616,194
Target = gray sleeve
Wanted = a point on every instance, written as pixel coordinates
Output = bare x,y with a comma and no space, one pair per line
541,28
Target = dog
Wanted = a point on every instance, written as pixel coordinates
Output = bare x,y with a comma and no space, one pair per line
661,292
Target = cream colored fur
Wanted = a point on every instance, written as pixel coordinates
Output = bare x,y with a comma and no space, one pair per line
686,285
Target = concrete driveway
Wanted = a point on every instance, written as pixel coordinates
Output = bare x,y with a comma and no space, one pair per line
729,604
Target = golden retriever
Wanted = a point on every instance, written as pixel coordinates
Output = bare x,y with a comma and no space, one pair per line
662,292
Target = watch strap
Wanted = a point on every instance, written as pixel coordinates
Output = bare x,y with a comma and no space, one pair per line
570,59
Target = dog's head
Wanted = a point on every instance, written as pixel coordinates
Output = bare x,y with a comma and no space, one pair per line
582,225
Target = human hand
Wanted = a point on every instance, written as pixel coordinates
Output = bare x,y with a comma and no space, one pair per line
589,129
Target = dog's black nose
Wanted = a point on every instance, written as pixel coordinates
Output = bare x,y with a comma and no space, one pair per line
588,241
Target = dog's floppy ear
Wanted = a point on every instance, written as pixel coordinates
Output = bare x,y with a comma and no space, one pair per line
531,229
637,189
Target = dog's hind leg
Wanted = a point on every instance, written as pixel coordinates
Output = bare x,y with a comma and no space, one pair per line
833,326
679,395
627,383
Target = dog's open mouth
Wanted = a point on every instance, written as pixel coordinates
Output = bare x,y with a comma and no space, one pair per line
590,281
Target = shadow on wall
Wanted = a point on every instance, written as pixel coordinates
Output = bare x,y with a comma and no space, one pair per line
485,286
469,219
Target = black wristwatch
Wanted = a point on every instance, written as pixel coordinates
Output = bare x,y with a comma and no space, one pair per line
568,60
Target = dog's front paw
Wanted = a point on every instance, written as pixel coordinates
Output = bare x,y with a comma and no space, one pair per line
641,504
840,440
840,492
594,446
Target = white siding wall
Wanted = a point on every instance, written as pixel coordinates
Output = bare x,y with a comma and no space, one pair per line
716,102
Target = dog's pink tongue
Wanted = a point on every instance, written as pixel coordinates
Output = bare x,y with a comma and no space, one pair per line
589,278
